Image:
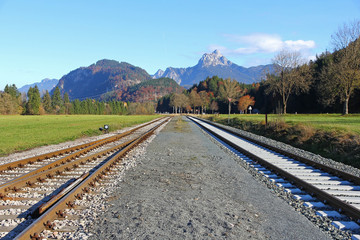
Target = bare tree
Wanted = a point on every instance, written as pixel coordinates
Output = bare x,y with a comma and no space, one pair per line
344,71
230,90
291,76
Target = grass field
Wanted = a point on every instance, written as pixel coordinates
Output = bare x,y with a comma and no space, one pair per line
19,133
327,122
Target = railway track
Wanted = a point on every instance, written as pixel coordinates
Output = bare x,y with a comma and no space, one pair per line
15,169
46,186
332,193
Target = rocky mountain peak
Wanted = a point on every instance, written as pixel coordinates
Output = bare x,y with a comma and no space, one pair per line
213,59
158,74
213,64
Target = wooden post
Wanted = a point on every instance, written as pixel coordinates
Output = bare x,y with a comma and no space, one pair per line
266,120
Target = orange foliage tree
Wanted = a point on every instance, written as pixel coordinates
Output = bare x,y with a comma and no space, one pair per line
245,102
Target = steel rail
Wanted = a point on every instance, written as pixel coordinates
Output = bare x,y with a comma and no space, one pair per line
66,159
22,162
62,164
337,172
348,209
97,143
49,172
57,210
43,207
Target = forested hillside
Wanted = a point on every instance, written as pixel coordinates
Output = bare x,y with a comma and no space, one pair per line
98,79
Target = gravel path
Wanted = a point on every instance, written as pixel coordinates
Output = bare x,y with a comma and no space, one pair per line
186,187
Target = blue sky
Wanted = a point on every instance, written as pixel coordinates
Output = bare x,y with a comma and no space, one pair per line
49,38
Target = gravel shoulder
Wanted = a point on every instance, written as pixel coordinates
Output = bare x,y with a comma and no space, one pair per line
187,187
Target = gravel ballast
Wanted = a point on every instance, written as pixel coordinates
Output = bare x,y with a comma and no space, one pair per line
187,187
300,152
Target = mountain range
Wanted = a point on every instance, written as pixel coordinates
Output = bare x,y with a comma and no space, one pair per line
45,84
108,79
212,64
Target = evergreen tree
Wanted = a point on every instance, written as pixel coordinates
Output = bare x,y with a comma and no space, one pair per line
34,100
67,104
83,108
76,106
56,100
46,101
12,90
66,98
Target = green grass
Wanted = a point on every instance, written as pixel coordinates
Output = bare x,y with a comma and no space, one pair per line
328,122
18,133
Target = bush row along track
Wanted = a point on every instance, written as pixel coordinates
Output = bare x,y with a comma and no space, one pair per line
54,183
332,193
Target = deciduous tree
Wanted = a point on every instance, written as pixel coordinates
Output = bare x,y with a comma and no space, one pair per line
10,100
343,74
184,101
175,102
229,91
214,106
195,100
245,102
7,104
291,76
205,100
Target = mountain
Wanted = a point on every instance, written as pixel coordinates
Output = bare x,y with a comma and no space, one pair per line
149,90
45,84
158,74
212,64
99,78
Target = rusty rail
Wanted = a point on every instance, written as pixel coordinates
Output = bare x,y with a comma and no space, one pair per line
349,210
57,167
31,179
45,206
57,210
23,162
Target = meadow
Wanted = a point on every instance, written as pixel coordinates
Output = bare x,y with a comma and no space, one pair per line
18,133
327,122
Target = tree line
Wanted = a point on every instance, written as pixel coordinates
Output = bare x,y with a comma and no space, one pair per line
330,83
12,102
210,96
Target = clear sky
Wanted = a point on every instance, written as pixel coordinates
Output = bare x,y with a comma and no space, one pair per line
49,38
